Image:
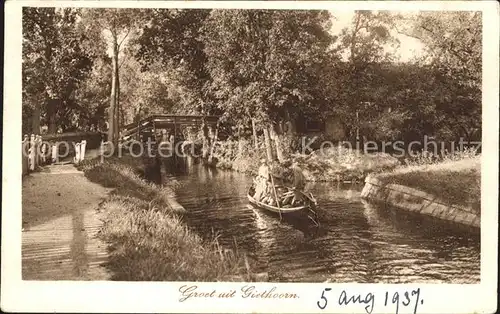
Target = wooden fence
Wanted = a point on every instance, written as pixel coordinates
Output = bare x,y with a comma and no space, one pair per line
40,150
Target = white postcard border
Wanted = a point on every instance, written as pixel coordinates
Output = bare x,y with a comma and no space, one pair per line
66,296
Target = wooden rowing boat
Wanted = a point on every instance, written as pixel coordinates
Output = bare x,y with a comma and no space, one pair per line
308,204
308,209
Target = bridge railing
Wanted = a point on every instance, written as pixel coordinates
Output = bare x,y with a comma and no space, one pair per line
169,121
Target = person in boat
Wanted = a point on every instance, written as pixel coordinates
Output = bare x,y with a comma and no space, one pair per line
171,138
298,177
262,182
294,196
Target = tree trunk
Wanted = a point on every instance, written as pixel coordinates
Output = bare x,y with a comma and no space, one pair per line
112,136
240,141
267,141
35,121
46,94
277,143
51,113
355,95
119,109
291,125
254,132
279,150
214,141
205,140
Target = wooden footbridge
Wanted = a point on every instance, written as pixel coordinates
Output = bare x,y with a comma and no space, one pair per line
172,124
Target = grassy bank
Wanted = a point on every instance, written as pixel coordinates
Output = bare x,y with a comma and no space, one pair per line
455,182
147,239
331,164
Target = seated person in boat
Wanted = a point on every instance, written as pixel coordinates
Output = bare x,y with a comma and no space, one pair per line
262,183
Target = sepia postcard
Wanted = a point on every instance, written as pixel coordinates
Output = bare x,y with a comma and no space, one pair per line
250,157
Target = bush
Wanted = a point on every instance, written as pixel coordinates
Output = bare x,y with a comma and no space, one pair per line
227,157
329,164
428,158
339,163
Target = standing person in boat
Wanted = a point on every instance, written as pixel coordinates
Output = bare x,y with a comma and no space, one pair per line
298,177
294,197
171,138
262,181
294,174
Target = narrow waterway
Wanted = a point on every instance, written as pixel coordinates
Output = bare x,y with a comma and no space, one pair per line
355,242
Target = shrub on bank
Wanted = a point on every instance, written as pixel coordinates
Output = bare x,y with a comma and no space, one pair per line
429,158
227,156
343,164
148,241
329,164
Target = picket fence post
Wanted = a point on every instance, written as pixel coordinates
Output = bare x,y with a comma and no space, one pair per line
38,140
77,153
32,153
43,154
54,153
82,150
25,154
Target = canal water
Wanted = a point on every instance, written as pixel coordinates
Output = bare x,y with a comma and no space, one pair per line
355,242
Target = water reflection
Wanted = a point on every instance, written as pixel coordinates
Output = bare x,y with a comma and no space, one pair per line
356,241
420,249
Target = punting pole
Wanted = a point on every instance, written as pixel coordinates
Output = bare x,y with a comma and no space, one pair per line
175,129
138,136
175,143
154,137
276,194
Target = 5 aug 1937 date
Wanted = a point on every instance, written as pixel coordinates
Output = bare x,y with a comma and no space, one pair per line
396,300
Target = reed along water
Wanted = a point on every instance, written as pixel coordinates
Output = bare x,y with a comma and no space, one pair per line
355,242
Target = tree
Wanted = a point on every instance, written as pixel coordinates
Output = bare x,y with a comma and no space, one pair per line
454,41
54,64
92,96
115,25
364,43
147,92
264,65
257,68
171,42
437,94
